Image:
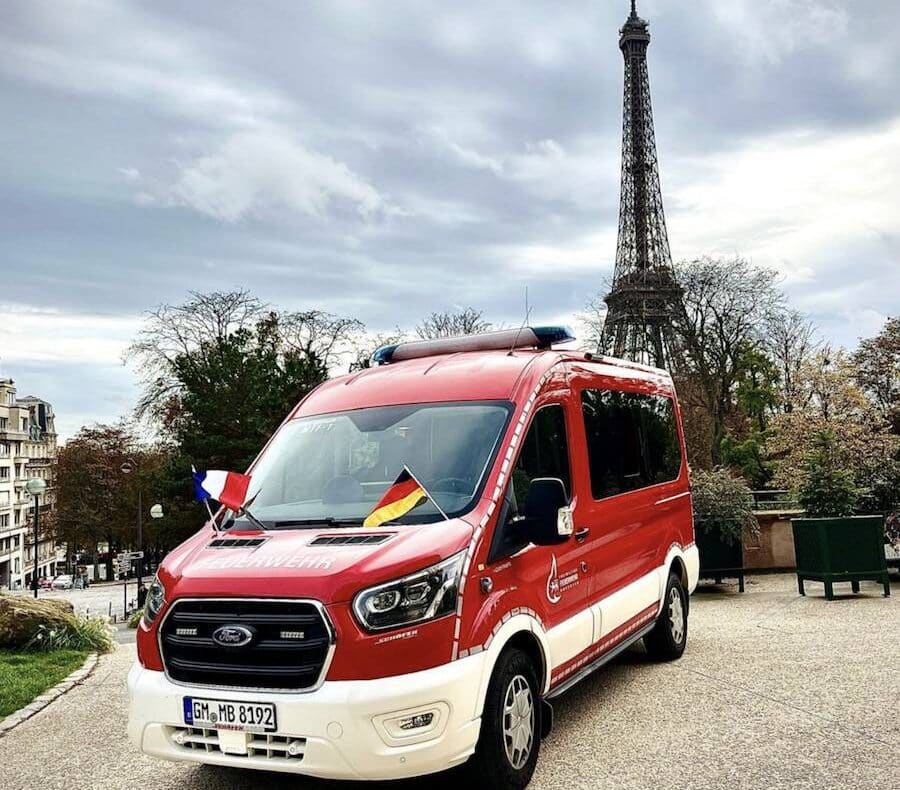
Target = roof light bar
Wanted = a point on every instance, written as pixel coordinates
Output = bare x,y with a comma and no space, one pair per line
504,340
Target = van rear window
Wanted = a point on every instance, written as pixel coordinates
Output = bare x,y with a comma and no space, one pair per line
632,440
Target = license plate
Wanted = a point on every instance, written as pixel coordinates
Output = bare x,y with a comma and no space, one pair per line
219,714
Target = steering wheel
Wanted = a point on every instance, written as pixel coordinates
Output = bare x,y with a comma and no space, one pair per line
451,485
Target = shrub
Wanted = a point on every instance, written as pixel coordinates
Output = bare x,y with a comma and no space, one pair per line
723,504
84,633
134,618
828,489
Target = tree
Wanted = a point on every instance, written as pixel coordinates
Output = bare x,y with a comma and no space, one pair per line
828,487
96,499
222,371
790,339
877,361
830,403
728,305
468,321
723,504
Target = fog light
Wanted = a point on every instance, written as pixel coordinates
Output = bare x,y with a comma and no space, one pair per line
417,721
295,747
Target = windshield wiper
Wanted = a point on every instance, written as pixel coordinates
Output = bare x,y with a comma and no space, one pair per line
327,521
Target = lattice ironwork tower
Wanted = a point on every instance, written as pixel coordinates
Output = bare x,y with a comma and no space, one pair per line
645,302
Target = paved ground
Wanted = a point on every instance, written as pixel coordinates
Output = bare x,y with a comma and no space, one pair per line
774,691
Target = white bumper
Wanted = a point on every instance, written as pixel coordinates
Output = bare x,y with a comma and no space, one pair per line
339,730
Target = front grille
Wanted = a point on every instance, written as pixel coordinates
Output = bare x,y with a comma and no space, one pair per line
273,747
290,643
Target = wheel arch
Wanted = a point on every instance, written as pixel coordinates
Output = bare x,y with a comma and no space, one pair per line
522,631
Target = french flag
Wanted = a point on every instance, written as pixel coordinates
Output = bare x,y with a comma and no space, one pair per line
228,488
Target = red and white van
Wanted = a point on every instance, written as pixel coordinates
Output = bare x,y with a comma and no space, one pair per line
557,532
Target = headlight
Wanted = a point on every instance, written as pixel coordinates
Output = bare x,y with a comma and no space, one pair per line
156,597
420,596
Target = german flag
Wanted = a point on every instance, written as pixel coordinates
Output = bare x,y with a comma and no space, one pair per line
405,494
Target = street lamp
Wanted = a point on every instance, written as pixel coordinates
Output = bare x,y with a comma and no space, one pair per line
156,512
36,486
127,468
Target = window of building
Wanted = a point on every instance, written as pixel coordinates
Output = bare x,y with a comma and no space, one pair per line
544,453
4,423
4,472
4,520
632,440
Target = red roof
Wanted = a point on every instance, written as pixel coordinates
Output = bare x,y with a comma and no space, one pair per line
471,375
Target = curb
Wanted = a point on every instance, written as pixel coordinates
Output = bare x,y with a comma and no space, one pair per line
42,701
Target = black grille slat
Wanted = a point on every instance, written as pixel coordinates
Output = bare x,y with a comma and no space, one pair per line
349,540
236,543
267,662
236,617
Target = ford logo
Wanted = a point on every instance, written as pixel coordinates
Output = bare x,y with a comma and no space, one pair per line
232,636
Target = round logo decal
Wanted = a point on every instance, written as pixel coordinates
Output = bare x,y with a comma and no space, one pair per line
553,591
232,636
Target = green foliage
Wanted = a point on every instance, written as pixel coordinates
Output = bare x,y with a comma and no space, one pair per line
748,455
84,633
24,676
135,618
723,504
828,489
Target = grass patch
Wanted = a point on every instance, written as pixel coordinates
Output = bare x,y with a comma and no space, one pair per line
26,675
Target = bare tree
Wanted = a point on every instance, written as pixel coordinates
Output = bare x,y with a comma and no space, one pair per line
592,318
468,321
314,333
790,339
171,332
729,303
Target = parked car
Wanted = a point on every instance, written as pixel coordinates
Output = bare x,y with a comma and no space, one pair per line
44,582
440,546
62,582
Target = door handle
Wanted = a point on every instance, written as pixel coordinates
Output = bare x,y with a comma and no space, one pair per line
581,534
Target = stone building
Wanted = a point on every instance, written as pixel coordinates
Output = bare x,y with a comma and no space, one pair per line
27,449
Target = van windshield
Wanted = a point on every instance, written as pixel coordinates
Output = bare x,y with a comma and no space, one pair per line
332,469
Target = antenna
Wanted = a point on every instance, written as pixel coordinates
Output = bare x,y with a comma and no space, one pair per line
524,324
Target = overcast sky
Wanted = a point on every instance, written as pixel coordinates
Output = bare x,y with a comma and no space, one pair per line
387,158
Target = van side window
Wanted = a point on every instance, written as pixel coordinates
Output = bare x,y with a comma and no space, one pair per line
544,453
632,440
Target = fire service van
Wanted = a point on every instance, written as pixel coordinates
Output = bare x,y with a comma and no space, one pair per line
438,547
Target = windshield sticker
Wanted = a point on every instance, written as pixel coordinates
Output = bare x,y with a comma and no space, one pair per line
301,561
320,426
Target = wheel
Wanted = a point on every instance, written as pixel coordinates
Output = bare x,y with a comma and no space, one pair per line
669,636
510,738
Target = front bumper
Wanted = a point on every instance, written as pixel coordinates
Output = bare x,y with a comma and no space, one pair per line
340,731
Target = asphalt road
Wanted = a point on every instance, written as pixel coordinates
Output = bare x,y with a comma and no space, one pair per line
774,691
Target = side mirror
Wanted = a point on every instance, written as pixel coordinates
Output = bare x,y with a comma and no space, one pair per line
548,518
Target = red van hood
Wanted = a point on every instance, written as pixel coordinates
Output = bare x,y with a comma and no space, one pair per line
286,564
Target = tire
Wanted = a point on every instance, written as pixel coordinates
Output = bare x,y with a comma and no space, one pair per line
497,762
667,640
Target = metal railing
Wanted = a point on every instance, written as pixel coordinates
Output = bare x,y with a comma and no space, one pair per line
774,499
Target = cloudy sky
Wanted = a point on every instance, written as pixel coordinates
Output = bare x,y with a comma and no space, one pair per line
387,158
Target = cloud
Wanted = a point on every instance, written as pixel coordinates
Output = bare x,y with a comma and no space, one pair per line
253,174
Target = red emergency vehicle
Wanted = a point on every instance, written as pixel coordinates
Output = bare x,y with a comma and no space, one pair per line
556,531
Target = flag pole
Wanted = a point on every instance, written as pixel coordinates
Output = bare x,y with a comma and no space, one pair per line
212,518
433,500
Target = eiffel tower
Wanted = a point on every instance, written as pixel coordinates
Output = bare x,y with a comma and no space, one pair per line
645,301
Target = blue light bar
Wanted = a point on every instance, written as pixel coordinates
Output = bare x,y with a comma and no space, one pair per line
504,340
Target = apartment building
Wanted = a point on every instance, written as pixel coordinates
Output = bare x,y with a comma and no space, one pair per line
27,449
